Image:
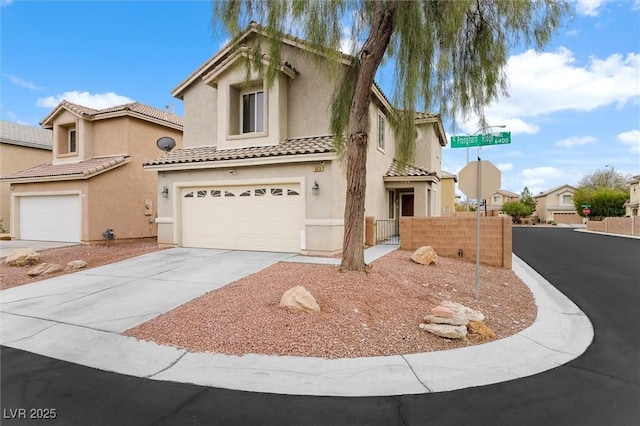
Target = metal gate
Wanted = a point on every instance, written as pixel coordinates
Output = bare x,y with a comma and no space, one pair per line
387,232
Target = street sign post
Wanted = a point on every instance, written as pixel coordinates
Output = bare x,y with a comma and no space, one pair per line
501,138
467,141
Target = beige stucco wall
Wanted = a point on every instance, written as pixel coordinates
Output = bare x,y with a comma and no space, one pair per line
117,198
448,195
14,158
552,203
634,197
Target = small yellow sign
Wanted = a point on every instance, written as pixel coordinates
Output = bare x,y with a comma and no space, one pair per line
318,168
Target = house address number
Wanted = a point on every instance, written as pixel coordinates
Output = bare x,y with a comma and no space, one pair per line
318,168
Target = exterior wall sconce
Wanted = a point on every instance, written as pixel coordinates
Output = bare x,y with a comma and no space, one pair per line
165,192
315,189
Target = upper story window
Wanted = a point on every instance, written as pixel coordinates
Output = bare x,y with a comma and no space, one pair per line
381,132
252,112
497,199
566,199
67,140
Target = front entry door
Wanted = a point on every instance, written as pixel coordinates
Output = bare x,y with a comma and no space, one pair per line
406,204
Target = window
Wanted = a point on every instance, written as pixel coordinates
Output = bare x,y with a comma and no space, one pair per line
497,199
252,112
392,204
566,199
381,132
73,146
276,191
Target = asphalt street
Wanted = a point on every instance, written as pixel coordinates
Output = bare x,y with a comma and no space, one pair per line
600,273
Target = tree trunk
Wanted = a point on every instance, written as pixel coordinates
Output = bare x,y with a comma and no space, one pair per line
357,139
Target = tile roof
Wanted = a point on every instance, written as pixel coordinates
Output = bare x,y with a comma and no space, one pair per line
19,134
81,170
397,169
311,145
133,107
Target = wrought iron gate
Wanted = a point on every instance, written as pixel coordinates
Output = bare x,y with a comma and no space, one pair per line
387,232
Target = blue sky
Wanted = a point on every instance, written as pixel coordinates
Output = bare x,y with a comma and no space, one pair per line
573,108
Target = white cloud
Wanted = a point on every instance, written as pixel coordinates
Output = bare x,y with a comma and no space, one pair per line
91,100
549,82
589,7
575,141
631,139
22,83
504,167
540,179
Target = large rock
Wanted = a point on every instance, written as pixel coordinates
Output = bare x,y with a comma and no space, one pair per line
446,330
425,255
76,264
298,299
23,257
472,314
457,317
44,268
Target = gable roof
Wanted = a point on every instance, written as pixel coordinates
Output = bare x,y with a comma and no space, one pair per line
28,136
68,171
557,188
507,193
133,109
210,154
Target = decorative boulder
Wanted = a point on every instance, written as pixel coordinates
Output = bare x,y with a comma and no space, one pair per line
472,314
457,317
44,268
76,264
446,330
298,299
480,330
425,255
23,257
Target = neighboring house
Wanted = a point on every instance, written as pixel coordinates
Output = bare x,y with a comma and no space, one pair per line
95,180
495,202
448,200
258,169
20,147
556,205
631,206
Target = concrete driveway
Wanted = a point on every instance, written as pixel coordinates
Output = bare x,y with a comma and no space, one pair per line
7,246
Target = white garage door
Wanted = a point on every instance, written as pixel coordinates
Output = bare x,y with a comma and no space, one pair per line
50,218
249,217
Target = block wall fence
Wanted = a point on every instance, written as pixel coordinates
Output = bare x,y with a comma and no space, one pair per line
616,225
455,236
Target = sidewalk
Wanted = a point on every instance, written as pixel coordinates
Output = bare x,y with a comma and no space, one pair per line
79,318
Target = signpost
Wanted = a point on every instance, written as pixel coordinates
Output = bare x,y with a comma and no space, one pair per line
485,191
501,138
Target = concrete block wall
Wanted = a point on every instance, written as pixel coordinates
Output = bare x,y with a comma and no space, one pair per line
616,225
456,237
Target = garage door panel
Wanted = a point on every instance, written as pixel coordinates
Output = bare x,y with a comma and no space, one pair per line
256,217
50,218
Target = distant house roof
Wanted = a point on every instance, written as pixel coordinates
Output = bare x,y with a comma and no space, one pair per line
507,193
19,134
447,175
134,109
544,194
68,171
205,154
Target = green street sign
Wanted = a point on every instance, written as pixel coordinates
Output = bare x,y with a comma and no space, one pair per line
501,138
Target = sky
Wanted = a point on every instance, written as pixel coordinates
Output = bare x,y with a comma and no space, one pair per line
572,109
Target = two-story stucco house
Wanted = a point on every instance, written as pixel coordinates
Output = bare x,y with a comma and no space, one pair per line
258,169
495,202
95,180
20,147
448,199
557,205
631,206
